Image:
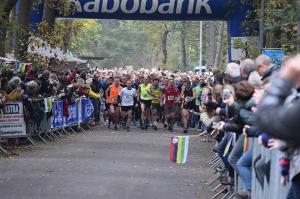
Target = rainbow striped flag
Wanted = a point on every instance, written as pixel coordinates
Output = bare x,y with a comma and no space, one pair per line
24,68
48,104
246,144
179,146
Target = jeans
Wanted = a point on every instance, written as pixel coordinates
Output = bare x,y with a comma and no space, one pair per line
295,189
244,166
221,149
236,152
96,104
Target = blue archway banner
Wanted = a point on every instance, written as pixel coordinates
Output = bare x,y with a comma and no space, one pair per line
228,10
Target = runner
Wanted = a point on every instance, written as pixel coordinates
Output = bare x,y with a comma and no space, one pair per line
145,97
105,85
156,101
127,95
171,96
188,103
112,94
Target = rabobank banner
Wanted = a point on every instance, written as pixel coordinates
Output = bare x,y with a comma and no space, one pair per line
232,11
151,9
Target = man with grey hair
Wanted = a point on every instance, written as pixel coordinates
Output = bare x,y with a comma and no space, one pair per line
247,66
265,67
233,72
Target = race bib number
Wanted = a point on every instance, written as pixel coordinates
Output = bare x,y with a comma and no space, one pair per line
188,98
145,95
127,99
171,97
114,100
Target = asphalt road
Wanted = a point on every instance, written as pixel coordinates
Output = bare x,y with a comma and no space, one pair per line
106,164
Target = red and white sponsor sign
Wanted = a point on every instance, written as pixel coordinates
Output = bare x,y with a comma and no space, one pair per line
13,123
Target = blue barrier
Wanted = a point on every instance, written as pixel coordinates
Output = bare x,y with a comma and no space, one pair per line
13,125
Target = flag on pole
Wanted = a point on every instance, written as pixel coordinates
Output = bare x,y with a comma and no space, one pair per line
48,104
246,144
179,146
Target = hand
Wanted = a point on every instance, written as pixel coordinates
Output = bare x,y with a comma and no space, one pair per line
221,126
218,110
254,109
245,129
260,140
273,144
230,100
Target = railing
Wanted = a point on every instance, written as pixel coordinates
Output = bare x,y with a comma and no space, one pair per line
267,187
271,189
53,122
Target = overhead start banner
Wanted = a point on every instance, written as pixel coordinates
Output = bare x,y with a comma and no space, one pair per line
151,9
12,124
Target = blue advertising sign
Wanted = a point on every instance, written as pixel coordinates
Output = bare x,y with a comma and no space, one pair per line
57,114
87,109
73,115
151,9
232,11
275,54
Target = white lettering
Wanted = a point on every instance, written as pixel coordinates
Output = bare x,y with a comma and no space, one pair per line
203,3
167,8
92,6
191,7
114,8
179,6
134,8
150,11
75,4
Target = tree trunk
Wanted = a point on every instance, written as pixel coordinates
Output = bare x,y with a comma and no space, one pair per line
68,36
24,19
8,5
219,45
164,38
183,48
49,14
11,36
211,49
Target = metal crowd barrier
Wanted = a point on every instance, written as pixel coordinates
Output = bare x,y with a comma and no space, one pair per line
271,189
13,124
268,187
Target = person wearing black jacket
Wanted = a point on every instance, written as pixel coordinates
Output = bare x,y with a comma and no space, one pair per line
281,119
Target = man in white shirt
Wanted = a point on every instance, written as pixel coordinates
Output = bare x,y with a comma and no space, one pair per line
127,99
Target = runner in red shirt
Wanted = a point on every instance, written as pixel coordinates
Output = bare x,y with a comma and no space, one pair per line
171,96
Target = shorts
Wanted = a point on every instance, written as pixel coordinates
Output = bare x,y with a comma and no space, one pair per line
189,106
170,109
107,106
126,108
147,103
155,106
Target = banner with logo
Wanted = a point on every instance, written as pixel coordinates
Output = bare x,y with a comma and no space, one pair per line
275,54
86,108
12,124
73,114
57,114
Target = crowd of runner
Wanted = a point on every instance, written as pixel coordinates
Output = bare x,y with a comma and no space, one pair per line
220,104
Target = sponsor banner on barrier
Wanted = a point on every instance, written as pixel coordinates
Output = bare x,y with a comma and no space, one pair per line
13,123
57,114
73,114
276,55
86,109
